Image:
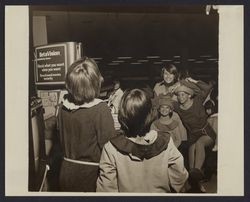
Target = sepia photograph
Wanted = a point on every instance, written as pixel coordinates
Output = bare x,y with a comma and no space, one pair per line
128,100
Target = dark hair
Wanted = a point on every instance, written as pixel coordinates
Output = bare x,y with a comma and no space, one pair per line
83,81
135,113
115,81
172,69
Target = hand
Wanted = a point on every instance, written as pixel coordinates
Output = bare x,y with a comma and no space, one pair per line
191,80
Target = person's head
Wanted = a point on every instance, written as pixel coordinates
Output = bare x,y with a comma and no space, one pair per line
83,81
117,84
134,113
170,74
186,91
184,94
165,106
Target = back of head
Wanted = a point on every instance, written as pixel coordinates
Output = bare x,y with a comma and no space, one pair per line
83,81
135,113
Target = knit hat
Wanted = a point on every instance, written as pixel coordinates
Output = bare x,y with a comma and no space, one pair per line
166,100
187,87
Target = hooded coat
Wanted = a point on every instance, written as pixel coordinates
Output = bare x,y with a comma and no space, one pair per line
145,164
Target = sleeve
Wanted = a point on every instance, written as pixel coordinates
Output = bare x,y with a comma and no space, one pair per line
50,127
153,127
204,89
176,138
117,100
181,129
107,179
155,89
105,126
178,174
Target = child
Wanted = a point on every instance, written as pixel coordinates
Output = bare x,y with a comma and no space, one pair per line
169,83
85,125
191,95
115,97
114,101
140,160
169,121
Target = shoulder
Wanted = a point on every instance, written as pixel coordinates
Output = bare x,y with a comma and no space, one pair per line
119,91
154,125
102,106
156,122
109,147
198,100
158,85
101,109
175,85
109,153
175,116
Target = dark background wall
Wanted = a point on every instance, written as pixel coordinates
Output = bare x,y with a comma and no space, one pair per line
183,35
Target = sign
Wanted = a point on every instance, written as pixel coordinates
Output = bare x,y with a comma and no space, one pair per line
51,64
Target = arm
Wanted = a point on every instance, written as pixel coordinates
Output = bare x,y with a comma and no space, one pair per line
105,126
177,172
50,133
153,127
181,129
176,138
204,87
107,179
155,90
117,100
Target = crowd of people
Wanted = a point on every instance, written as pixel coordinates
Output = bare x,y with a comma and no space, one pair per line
159,145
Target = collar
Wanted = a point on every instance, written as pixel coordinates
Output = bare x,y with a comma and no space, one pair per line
149,138
138,151
72,106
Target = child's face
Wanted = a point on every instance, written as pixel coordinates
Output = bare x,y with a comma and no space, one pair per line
164,110
183,97
168,77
